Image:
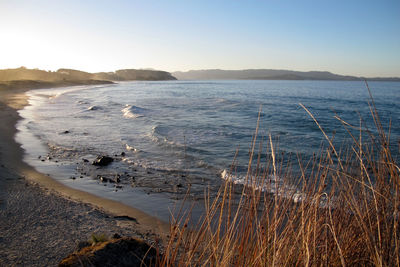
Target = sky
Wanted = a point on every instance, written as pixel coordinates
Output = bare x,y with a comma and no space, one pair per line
351,37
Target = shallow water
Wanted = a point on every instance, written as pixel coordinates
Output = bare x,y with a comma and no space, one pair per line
167,136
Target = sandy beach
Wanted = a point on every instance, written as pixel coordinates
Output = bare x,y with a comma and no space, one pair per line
41,220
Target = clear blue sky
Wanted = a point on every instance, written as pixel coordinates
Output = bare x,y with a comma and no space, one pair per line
347,37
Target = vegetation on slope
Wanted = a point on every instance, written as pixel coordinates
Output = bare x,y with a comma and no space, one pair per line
35,78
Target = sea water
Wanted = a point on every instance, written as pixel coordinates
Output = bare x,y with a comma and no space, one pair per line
169,137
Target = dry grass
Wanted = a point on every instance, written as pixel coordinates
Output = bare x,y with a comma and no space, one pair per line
344,212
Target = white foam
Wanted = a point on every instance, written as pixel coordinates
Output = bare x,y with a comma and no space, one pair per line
131,148
132,112
93,108
269,184
243,180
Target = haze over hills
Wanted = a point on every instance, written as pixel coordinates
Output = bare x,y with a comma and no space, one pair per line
269,74
35,78
75,75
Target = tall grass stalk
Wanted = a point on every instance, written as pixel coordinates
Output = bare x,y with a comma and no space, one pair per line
345,210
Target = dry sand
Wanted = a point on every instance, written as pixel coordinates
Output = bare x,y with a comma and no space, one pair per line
41,220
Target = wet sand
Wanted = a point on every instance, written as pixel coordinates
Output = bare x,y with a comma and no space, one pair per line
42,220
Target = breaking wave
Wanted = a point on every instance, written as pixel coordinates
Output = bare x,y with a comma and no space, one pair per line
133,112
270,184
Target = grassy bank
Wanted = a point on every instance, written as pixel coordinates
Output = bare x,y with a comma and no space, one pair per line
345,210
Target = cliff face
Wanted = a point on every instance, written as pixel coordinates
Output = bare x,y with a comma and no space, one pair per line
22,73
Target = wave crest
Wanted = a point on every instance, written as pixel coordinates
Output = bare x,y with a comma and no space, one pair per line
269,184
133,112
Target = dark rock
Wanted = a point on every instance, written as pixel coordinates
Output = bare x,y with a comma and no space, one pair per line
85,160
102,161
179,185
116,236
103,179
116,252
123,154
66,132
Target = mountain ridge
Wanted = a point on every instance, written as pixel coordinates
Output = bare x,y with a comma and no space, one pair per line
270,74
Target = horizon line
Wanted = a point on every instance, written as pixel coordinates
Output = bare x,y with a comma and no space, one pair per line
201,69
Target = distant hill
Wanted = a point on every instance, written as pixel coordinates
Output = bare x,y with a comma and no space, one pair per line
134,75
269,74
22,73
30,74
22,78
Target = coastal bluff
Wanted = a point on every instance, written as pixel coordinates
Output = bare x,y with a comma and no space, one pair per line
34,78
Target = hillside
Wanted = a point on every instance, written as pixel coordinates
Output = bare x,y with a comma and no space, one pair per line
70,75
135,75
269,74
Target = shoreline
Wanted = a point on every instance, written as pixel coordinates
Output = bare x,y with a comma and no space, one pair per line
15,173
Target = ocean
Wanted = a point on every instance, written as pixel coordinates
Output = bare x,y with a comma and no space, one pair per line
167,137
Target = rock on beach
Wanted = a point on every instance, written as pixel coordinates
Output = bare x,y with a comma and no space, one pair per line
102,161
116,252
